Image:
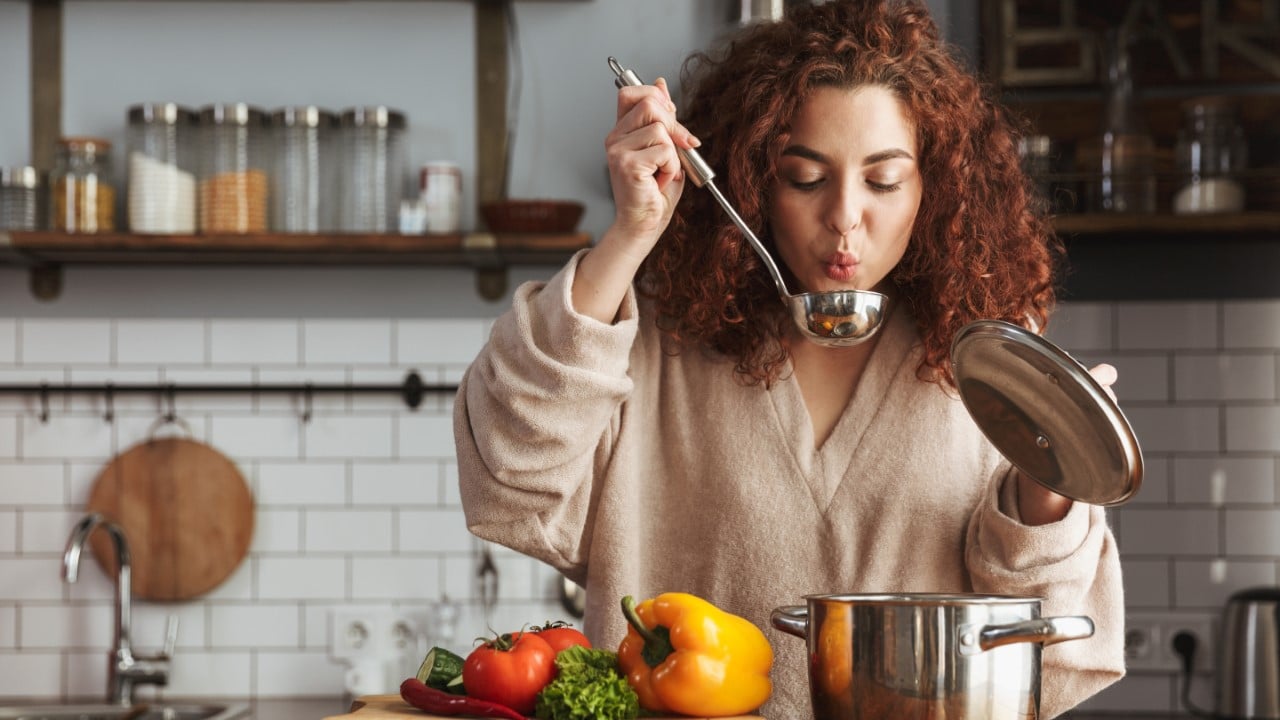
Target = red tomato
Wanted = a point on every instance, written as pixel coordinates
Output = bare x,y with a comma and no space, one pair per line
510,670
559,635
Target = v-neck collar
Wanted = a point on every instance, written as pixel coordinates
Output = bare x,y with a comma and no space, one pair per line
824,468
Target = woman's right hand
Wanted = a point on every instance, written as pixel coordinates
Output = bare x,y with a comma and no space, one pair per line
647,179
644,165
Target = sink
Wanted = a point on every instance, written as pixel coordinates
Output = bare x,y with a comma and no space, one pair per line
140,711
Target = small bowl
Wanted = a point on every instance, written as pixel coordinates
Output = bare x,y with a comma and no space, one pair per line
532,216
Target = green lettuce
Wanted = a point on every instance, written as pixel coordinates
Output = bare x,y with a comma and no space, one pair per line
589,686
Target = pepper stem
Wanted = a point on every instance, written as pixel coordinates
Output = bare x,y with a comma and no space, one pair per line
657,641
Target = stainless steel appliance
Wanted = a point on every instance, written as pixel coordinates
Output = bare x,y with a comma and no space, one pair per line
1249,661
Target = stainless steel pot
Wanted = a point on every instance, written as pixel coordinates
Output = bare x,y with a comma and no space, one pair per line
925,656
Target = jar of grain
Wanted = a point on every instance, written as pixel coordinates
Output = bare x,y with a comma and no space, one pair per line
19,198
233,178
162,169
304,174
373,175
1211,156
82,197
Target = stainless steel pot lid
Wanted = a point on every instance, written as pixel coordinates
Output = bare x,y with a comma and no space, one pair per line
1045,413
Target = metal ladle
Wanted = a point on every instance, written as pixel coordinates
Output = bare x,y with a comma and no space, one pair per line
835,318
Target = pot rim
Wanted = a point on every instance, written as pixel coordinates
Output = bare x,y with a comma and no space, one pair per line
944,599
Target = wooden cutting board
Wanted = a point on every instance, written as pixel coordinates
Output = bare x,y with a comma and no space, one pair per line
372,707
186,510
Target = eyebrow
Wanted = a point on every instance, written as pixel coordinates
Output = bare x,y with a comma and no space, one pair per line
810,154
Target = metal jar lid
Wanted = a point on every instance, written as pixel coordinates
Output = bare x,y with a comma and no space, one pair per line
23,176
160,114
304,116
377,116
1045,413
231,114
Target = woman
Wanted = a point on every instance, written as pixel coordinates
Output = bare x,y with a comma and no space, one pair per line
650,420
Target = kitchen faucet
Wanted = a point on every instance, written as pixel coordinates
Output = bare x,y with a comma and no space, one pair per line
125,670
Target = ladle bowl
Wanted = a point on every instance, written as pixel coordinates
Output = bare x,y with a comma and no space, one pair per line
834,318
838,318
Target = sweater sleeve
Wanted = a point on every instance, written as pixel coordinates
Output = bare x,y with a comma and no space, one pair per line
1073,565
533,418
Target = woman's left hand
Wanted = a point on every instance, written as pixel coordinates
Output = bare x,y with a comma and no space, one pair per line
1037,504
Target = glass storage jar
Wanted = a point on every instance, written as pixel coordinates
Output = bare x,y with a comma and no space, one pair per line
303,189
233,188
161,169
1211,153
373,169
19,198
82,197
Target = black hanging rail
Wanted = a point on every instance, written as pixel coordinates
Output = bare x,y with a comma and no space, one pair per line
411,391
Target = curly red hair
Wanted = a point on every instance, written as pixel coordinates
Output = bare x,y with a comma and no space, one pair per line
980,247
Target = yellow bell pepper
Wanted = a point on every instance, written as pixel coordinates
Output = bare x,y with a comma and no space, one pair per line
683,654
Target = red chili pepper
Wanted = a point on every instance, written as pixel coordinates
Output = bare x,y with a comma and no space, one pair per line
440,702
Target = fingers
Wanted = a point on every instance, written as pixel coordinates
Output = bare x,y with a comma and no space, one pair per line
643,105
1106,375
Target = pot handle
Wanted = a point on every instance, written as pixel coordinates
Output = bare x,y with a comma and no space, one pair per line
974,639
791,619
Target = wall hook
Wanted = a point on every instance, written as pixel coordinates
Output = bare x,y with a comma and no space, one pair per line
44,402
171,411
109,399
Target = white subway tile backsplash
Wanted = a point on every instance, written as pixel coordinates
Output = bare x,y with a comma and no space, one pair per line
277,531
64,342
161,342
302,578
239,586
1208,584
32,483
1082,326
31,674
1253,429
347,342
1146,583
1251,324
248,437
305,484
187,402
402,579
300,674
1223,479
8,532
296,403
1145,531
434,531
420,342
1140,378
349,437
358,531
253,342
8,438
65,437
452,493
1225,376
8,627
1176,428
223,674
1168,325
405,483
427,436
273,625
46,531
1252,532
8,341
150,622
49,627
1156,482
31,578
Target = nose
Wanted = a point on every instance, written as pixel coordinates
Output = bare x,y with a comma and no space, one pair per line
845,211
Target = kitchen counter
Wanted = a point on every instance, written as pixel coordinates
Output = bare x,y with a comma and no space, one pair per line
298,708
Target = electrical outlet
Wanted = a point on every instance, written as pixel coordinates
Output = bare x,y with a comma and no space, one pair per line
1148,641
354,635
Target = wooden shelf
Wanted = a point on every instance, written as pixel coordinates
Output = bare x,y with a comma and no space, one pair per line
1171,257
489,255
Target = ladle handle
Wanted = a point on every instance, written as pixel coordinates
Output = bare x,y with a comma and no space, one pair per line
699,171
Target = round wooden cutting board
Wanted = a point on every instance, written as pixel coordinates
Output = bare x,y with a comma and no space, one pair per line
186,510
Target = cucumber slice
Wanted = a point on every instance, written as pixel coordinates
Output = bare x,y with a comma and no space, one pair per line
455,686
439,667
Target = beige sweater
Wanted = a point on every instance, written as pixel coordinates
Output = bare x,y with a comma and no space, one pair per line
637,472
